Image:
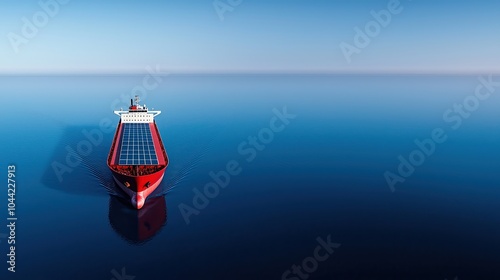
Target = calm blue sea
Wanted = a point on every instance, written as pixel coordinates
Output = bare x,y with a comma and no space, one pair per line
298,161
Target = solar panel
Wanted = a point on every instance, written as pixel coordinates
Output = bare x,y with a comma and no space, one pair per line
137,146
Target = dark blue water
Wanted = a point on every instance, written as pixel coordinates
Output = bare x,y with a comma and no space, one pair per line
313,174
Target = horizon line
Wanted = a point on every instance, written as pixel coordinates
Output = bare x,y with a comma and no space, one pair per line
236,73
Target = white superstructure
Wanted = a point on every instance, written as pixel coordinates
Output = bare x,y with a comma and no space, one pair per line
137,113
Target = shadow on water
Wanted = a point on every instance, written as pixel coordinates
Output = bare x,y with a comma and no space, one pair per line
78,162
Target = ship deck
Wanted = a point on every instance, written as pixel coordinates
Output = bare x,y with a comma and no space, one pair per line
138,144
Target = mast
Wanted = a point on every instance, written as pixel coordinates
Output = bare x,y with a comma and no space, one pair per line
135,107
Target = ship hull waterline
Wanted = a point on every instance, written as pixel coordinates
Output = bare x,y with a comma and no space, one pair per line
138,198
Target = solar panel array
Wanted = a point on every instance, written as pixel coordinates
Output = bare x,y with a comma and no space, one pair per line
137,146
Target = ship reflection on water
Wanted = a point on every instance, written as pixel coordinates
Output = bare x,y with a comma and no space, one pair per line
137,226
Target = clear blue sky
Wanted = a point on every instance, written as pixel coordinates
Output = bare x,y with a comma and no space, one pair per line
258,35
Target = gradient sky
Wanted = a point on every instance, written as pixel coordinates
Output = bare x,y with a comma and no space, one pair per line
258,35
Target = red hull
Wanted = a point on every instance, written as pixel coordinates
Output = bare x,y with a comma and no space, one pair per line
138,181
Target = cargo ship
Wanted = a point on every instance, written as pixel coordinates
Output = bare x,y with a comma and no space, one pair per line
137,158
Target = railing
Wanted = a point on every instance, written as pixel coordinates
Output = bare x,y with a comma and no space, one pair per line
111,151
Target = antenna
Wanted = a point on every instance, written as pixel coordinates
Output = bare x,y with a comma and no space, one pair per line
136,99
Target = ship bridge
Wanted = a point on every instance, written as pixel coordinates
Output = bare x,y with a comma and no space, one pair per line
137,113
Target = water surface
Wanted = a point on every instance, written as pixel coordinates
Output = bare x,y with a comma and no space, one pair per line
322,175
